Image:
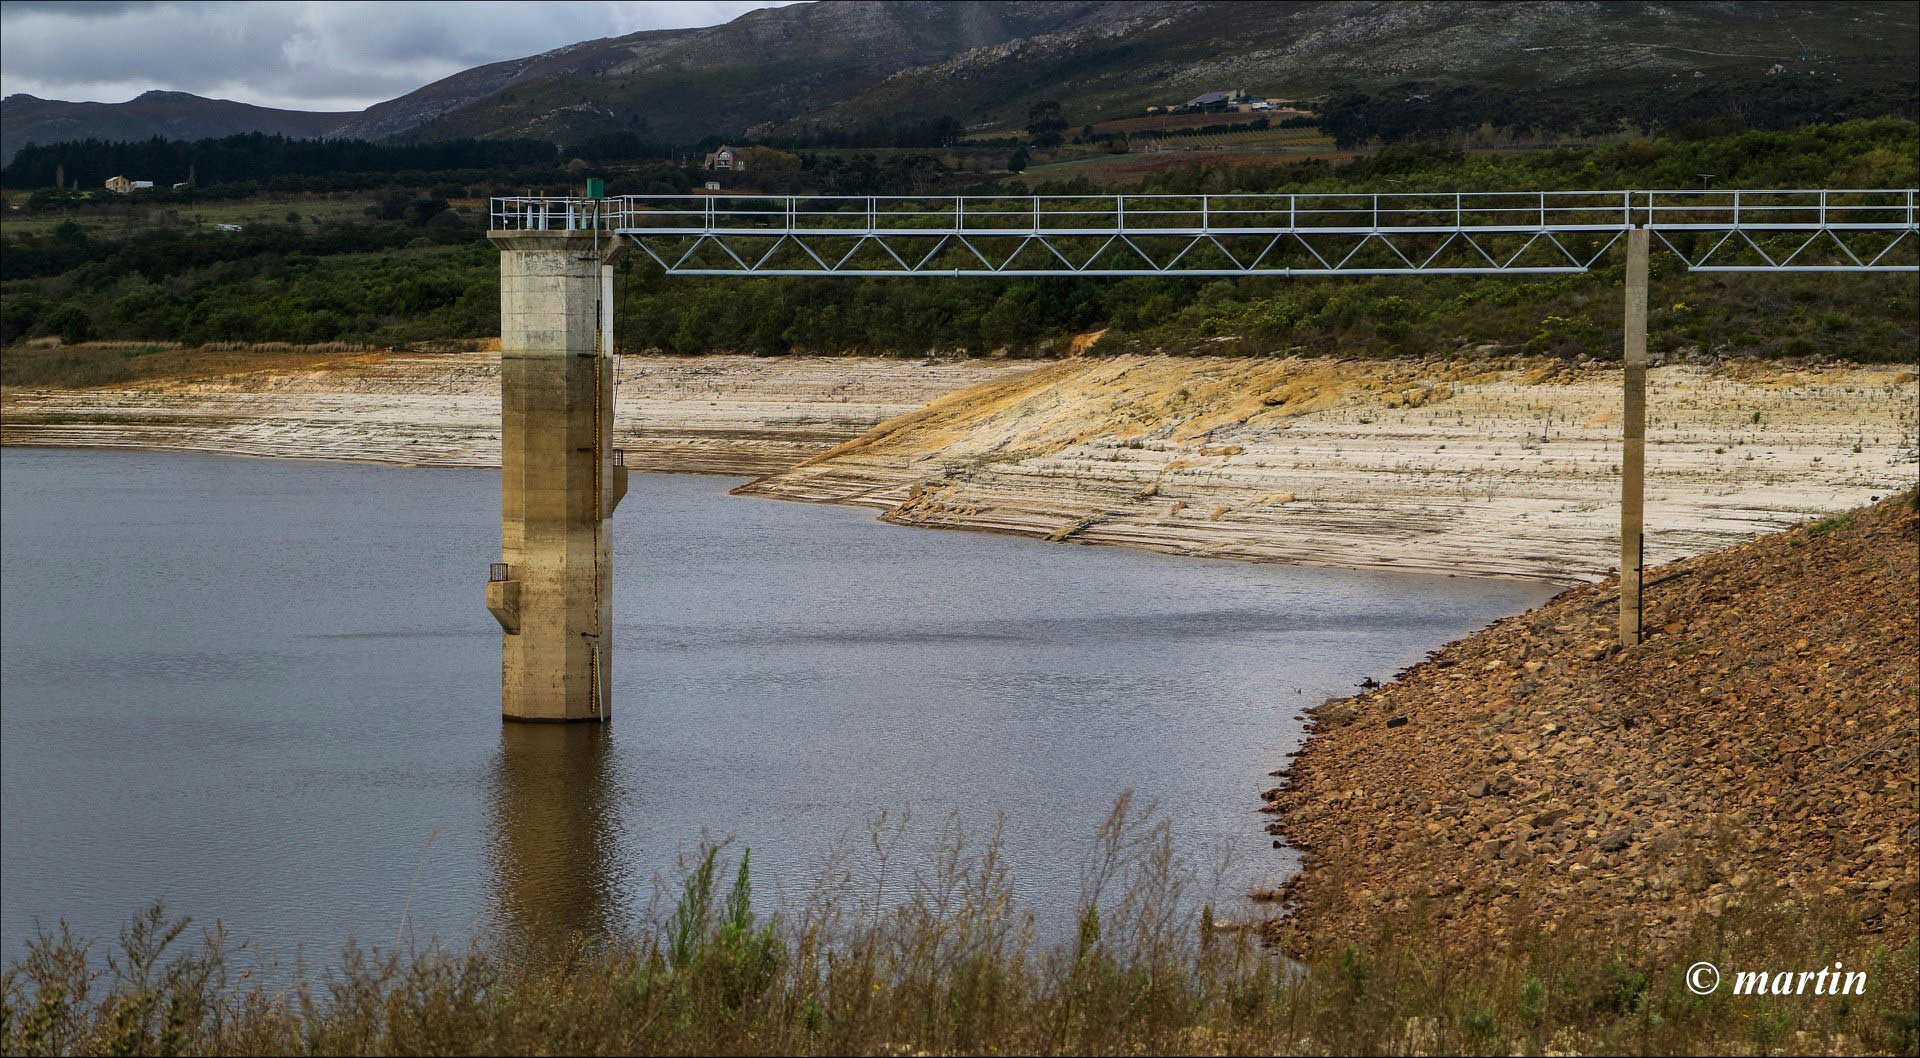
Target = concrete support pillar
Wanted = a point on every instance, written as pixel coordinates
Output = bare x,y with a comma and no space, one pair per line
1633,448
553,589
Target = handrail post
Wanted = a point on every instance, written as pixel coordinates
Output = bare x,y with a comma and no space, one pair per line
1036,214
1376,211
1736,209
1543,211
1205,223
1457,222
1823,207
1121,215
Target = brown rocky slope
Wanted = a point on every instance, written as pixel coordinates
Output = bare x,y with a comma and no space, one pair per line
1759,746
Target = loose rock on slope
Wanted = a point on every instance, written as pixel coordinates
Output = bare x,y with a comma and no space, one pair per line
1759,745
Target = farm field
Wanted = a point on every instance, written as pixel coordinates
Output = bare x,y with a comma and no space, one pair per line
1110,169
1249,138
1167,122
134,215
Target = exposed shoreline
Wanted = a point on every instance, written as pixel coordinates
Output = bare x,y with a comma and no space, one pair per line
1754,753
721,414
1446,465
1457,467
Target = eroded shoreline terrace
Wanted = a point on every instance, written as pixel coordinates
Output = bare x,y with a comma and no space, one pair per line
1474,465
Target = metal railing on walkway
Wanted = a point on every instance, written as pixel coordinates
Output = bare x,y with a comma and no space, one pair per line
1239,234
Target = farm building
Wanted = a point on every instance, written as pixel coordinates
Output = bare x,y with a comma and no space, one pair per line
725,158
1218,100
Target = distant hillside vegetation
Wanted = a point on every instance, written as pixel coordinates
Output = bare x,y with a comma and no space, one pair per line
412,266
1383,70
841,65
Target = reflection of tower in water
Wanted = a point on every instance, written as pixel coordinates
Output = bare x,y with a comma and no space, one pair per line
555,830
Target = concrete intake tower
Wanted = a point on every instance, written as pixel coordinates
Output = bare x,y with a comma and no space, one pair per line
560,479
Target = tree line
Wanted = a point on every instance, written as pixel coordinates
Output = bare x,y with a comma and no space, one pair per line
280,163
257,157
413,272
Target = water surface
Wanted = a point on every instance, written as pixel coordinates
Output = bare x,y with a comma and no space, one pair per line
267,693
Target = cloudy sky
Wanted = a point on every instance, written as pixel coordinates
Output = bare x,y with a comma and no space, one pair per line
300,55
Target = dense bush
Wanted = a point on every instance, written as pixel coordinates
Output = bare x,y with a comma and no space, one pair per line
415,293
418,271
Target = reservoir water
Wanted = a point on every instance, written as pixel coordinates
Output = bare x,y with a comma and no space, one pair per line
267,693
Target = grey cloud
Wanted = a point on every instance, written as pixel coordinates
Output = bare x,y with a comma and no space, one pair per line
70,9
309,56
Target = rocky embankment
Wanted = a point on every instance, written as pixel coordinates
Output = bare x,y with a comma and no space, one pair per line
1759,746
1499,467
712,414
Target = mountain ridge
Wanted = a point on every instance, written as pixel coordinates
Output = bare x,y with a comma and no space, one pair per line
28,119
846,64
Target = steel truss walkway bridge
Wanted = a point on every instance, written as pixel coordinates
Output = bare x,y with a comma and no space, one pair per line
561,478
1469,233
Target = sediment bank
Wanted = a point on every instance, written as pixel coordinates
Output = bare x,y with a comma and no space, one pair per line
1446,466
711,414
1758,749
1451,465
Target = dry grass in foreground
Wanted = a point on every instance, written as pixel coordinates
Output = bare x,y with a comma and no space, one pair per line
952,967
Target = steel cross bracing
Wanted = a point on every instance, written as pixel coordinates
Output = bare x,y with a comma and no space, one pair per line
1478,233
